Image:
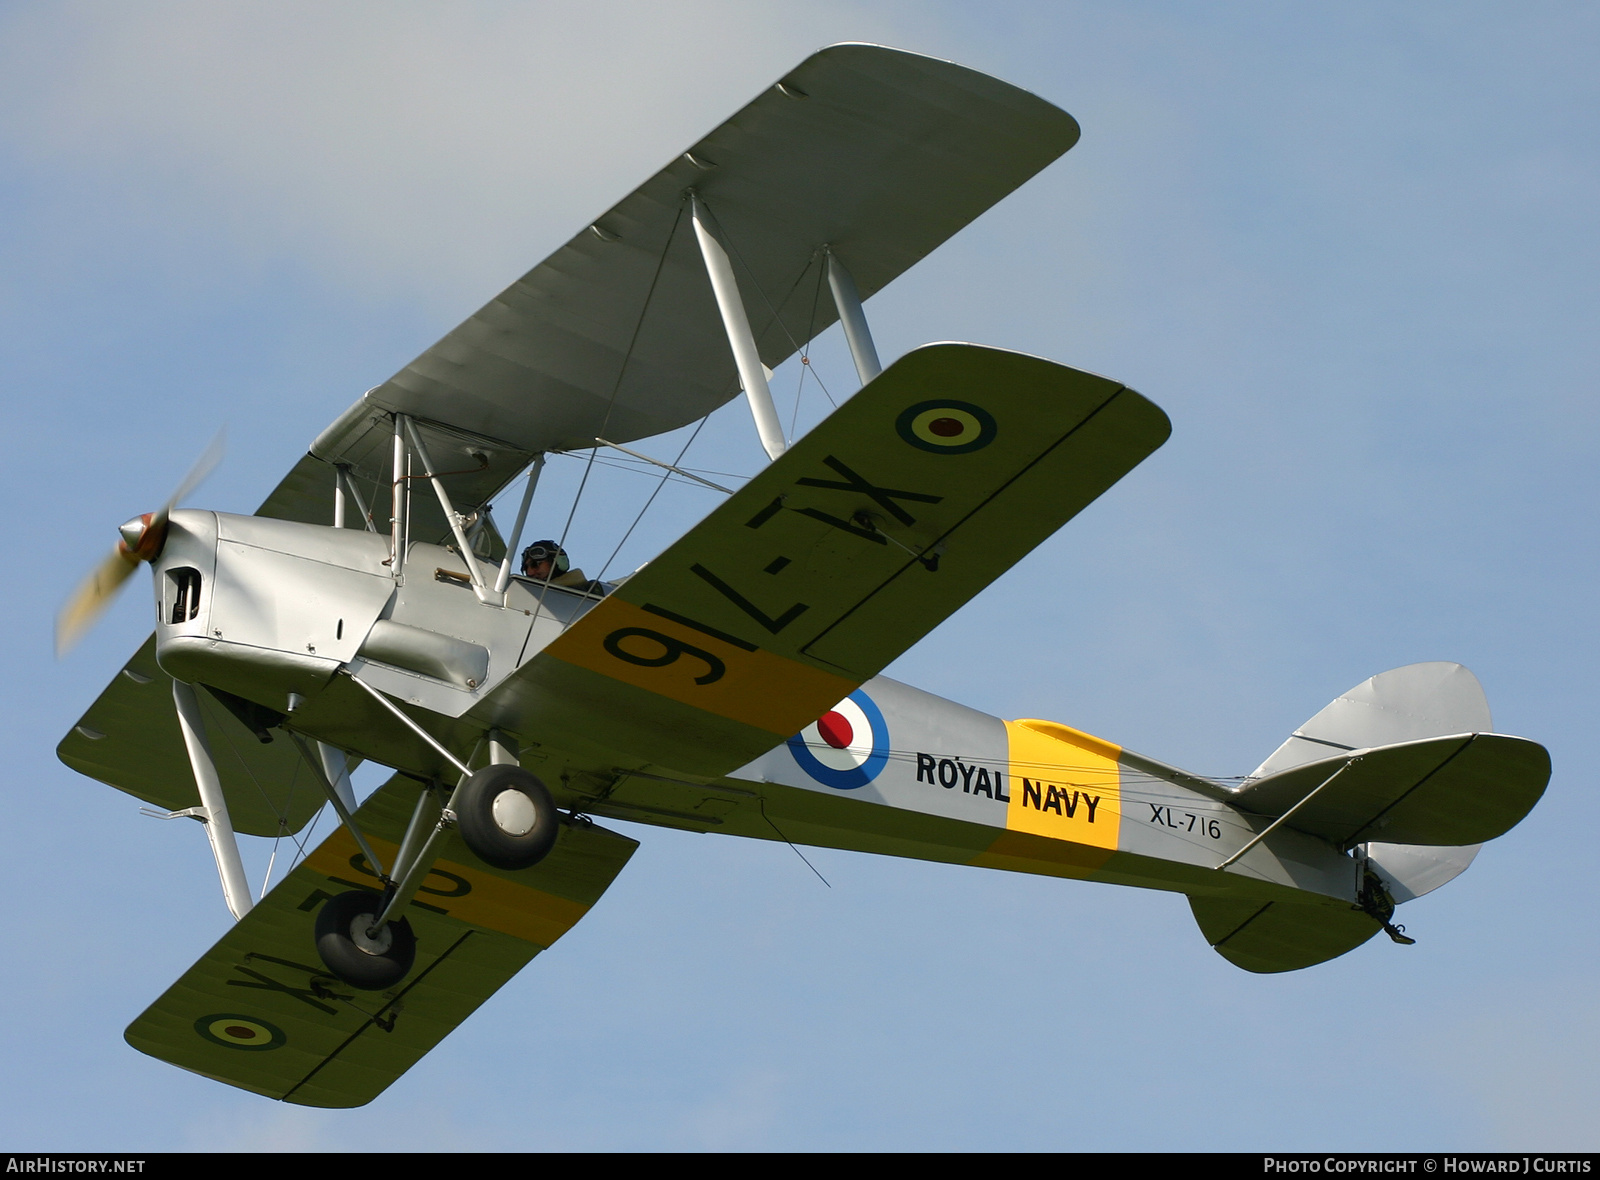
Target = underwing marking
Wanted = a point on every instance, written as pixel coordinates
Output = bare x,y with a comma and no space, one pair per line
702,627
765,514
671,649
884,497
773,625
266,983
872,535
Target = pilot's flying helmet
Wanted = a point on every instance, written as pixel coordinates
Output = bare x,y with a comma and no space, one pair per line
544,550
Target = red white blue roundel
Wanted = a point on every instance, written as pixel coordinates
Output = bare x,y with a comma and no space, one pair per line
847,746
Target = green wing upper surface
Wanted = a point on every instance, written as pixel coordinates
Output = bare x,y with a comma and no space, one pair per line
910,498
259,1011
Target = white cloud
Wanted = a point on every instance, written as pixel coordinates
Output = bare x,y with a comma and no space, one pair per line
440,148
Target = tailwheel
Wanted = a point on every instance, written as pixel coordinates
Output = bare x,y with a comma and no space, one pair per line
1377,903
507,817
350,949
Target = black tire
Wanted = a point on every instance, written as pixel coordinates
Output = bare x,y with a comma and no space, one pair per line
506,817
369,964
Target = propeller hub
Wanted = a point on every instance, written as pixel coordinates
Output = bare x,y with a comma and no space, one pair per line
142,538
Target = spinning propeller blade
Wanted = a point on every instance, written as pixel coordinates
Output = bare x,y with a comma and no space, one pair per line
203,466
142,540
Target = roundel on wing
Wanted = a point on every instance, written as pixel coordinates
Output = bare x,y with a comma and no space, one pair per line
946,427
846,747
240,1032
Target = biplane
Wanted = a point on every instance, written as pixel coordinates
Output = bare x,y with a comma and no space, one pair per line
373,611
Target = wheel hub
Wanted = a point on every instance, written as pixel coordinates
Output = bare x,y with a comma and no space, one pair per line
514,813
378,945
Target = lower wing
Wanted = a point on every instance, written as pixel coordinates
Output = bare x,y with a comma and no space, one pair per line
936,478
259,1011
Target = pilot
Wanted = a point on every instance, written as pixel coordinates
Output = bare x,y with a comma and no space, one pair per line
547,563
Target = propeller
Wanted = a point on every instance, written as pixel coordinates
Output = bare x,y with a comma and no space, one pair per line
142,540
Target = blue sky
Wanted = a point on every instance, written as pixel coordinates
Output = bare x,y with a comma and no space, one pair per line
1350,249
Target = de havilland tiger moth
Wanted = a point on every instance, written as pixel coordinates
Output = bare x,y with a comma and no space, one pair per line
372,611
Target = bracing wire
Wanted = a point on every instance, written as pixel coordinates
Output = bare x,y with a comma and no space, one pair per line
1001,763
622,369
777,318
805,353
616,389
642,467
748,270
661,483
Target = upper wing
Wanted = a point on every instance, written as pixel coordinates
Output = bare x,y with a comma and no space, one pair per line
878,153
129,738
899,507
260,1012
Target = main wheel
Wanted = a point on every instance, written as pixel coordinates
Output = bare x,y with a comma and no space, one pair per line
506,817
371,963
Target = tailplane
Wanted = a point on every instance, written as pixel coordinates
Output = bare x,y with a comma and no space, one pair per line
1414,758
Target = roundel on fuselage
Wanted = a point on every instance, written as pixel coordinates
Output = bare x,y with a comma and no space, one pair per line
846,747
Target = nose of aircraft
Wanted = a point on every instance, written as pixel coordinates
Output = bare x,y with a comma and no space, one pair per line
143,536
141,539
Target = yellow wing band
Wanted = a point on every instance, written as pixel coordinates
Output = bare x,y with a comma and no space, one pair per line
695,667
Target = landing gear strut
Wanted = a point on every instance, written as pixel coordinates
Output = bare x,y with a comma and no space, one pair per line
506,818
